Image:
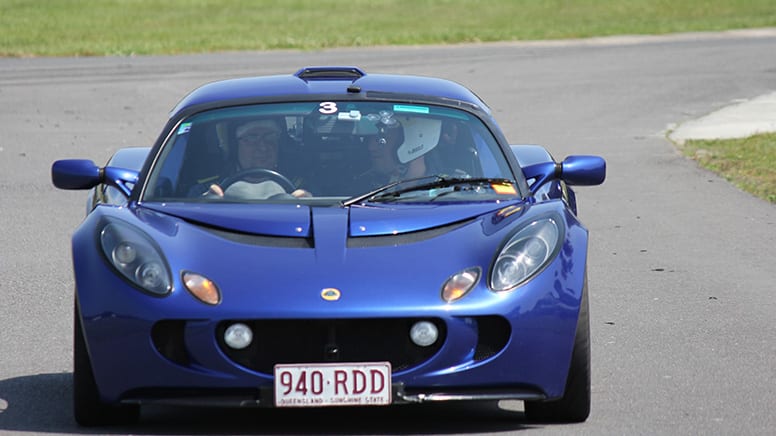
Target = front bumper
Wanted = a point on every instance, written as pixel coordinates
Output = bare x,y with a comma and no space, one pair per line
143,348
136,358
264,397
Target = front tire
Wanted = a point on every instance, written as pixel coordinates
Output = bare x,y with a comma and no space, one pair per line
574,406
88,409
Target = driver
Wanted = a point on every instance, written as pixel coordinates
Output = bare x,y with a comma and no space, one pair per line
257,147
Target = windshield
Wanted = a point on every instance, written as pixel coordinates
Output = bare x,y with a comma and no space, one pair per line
328,151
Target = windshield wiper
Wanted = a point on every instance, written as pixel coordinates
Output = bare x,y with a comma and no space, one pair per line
395,189
381,189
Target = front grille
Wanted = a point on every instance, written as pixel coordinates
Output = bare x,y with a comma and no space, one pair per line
320,341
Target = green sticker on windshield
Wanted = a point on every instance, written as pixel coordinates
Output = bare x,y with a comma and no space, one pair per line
184,128
407,108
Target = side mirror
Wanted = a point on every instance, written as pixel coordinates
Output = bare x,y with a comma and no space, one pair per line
583,170
574,170
75,174
84,174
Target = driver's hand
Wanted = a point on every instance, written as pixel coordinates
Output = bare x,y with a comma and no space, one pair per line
300,193
218,191
215,190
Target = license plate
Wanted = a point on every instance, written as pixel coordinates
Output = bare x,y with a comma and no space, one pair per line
333,384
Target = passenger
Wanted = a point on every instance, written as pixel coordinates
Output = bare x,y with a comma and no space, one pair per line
388,163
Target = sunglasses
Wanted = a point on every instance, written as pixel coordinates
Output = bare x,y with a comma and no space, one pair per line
271,138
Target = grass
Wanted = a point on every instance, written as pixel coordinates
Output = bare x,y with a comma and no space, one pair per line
126,27
31,28
747,163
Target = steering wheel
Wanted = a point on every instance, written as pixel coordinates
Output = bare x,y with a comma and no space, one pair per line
261,174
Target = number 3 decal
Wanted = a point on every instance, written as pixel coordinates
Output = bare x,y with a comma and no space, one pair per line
327,107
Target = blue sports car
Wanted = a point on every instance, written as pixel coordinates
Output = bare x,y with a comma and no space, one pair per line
330,238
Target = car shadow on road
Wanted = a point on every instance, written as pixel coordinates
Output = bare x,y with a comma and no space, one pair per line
43,404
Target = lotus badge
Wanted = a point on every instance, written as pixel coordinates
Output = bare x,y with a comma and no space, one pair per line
331,294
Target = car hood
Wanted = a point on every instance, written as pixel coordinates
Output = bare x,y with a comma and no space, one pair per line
275,260
296,220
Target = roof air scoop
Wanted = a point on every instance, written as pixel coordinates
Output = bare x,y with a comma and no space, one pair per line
330,73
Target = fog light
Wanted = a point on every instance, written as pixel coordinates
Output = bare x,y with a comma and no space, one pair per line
238,336
424,333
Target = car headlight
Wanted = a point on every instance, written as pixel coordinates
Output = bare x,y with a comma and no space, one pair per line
526,253
133,254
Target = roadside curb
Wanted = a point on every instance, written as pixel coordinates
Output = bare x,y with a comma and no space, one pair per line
739,120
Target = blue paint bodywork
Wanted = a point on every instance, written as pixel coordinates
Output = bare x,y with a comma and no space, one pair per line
389,259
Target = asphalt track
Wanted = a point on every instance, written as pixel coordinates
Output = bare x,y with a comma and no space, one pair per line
681,263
